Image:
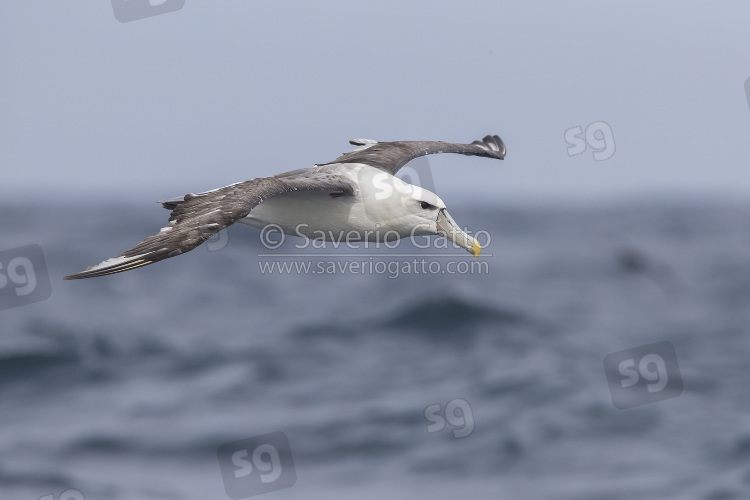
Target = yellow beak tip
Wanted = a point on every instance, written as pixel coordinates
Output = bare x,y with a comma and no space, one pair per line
475,250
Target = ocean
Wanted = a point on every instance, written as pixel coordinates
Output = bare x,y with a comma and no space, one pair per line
596,351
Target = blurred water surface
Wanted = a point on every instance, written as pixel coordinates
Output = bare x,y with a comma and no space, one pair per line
123,387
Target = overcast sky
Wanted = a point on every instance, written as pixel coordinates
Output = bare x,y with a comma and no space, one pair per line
223,91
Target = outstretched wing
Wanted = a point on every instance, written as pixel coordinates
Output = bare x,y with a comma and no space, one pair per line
199,216
391,156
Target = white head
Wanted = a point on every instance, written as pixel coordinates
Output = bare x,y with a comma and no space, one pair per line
409,210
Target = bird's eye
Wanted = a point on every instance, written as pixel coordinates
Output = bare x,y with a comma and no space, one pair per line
424,205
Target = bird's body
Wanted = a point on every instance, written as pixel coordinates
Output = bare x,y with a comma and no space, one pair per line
357,197
318,215
304,213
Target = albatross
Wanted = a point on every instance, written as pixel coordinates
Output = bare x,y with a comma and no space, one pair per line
356,195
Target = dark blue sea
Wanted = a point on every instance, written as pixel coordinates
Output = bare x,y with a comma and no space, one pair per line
206,377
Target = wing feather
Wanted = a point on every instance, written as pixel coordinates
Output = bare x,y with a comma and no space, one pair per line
391,156
198,216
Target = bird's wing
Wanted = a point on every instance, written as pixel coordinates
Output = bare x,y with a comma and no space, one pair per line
199,216
391,156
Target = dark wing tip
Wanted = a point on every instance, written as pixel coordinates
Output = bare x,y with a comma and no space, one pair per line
494,146
119,265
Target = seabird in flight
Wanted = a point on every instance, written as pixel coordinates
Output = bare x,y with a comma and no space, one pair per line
356,197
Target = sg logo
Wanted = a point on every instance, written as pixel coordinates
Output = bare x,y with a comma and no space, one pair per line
256,465
132,10
23,277
643,375
598,136
457,412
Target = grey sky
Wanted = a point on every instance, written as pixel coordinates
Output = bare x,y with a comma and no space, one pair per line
220,92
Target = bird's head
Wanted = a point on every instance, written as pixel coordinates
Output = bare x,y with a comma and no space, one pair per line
430,217
411,210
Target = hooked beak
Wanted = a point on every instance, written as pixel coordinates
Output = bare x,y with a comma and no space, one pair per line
448,228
